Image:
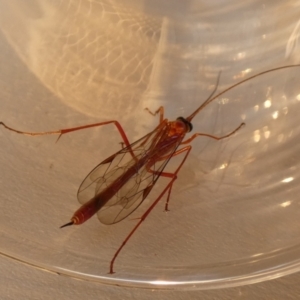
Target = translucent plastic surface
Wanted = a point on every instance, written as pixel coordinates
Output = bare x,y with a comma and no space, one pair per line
234,210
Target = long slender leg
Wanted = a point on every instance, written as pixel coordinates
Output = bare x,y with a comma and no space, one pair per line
60,132
68,130
168,174
212,136
168,188
160,110
173,177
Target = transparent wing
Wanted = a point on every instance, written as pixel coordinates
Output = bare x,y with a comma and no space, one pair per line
134,190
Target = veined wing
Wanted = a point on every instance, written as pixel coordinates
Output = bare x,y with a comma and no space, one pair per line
134,190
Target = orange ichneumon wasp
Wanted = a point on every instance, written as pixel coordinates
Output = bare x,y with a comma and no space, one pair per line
120,183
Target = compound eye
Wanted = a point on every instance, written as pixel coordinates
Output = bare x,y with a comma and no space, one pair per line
188,125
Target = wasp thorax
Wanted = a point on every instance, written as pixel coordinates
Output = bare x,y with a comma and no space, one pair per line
178,127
